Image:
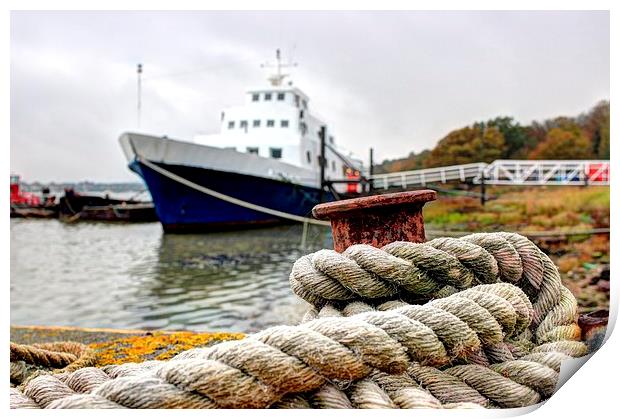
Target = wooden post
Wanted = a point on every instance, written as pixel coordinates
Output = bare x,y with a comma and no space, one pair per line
322,162
304,235
370,170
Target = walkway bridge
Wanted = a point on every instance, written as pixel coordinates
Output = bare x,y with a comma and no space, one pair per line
502,172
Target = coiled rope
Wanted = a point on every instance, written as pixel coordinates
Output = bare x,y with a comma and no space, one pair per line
486,345
57,356
364,278
414,272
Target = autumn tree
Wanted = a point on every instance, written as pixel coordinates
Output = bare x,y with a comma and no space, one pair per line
468,145
413,161
563,144
583,137
595,125
516,137
537,131
602,151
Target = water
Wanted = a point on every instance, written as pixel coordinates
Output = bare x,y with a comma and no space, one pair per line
134,276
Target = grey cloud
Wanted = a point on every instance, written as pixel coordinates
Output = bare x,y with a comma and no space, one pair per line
398,81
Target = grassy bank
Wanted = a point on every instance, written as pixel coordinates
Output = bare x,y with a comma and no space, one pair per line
583,260
533,209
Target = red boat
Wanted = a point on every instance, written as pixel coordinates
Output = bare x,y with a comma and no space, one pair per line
22,198
74,206
29,205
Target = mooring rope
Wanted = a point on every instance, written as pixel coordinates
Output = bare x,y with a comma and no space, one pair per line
416,272
259,370
57,356
486,345
530,234
228,198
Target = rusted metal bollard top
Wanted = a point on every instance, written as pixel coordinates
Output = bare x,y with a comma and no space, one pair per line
376,220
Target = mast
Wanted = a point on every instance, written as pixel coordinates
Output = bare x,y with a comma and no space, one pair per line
139,92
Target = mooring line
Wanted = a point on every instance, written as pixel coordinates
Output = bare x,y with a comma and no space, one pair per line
308,220
229,198
532,234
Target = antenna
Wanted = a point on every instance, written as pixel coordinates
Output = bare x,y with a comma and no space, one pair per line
276,79
139,92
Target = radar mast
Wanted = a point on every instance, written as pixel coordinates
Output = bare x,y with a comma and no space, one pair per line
277,78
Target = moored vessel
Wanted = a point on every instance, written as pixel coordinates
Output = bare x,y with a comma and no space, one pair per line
74,206
267,165
30,205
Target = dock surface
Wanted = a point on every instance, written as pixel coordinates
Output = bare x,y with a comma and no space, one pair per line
117,346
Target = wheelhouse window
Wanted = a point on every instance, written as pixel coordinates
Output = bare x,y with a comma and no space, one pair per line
297,100
243,124
280,96
267,96
308,157
256,123
252,150
304,103
284,123
231,124
333,165
271,123
275,153
255,97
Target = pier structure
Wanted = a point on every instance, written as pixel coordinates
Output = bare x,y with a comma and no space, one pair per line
501,172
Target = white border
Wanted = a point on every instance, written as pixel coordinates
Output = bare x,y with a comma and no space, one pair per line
590,393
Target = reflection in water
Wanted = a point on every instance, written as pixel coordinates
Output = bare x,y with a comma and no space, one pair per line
134,276
229,281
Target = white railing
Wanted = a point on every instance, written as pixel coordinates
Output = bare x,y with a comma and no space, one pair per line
547,172
462,172
503,172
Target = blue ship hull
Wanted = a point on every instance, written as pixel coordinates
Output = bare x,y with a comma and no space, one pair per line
181,208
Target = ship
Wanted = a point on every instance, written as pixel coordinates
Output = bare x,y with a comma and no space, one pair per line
269,164
74,206
30,205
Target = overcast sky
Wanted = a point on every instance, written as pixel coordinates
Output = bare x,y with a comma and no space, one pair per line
397,81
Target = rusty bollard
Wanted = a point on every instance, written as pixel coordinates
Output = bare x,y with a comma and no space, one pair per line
593,327
376,220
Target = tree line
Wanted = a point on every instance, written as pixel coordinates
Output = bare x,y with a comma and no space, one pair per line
563,138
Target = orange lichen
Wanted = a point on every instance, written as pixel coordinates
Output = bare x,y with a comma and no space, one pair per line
158,345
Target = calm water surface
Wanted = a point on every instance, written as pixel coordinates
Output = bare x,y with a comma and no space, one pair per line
134,276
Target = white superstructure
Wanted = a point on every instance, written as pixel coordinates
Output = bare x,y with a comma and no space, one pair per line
276,122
